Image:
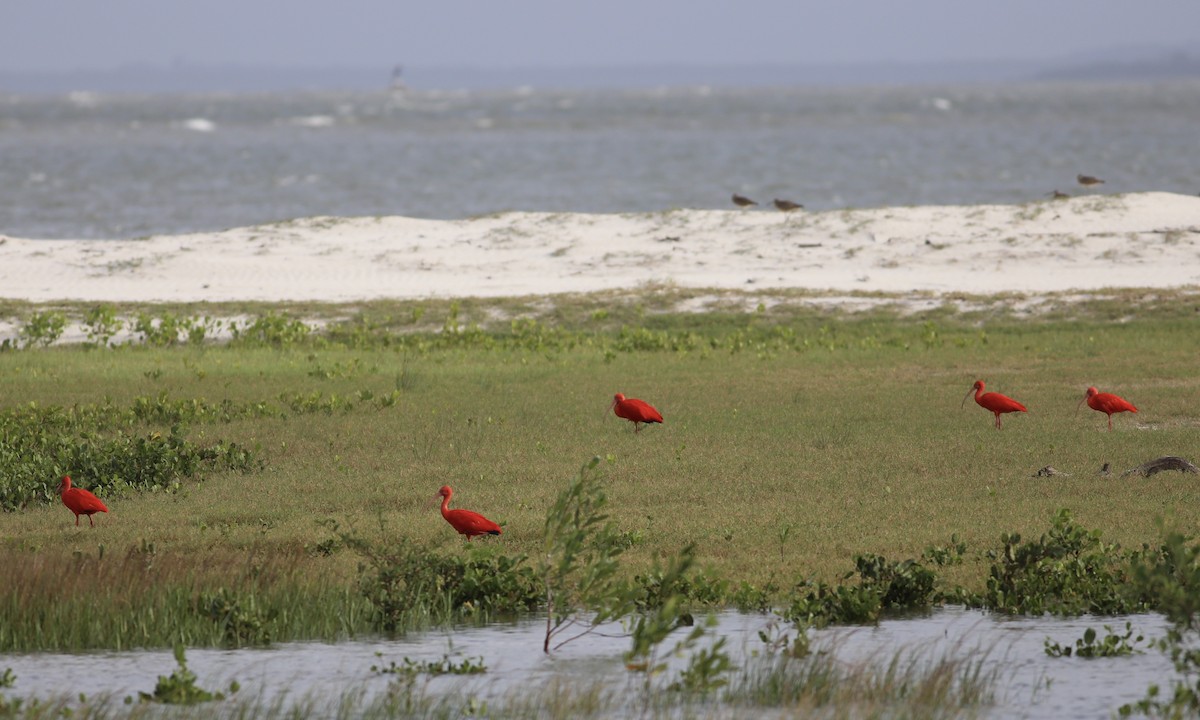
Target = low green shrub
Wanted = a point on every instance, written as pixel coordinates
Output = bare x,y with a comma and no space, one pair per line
43,328
179,688
1111,645
1068,571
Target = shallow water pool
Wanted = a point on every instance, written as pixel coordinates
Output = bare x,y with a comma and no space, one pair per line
1029,683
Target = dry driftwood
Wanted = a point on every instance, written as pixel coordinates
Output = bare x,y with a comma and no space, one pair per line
1050,472
1167,462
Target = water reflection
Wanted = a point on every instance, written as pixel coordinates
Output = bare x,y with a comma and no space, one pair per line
1030,683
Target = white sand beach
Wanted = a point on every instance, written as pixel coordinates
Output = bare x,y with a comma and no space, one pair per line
1084,243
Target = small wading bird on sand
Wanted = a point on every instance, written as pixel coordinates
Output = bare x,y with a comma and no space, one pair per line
742,201
80,501
1088,180
995,402
635,411
787,205
1106,403
464,521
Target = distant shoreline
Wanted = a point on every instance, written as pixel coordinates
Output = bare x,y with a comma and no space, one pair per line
197,78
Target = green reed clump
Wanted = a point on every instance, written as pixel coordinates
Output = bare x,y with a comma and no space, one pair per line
406,582
148,597
913,683
1068,571
243,621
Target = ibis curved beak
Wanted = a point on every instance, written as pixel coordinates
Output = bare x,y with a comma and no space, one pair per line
963,404
1080,404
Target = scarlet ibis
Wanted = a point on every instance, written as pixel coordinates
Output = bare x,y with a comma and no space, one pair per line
994,402
1106,403
636,411
80,501
742,201
464,521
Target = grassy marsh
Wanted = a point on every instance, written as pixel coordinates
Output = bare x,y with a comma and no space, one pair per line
795,439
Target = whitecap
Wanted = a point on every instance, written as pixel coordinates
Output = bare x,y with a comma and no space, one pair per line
83,98
199,125
314,121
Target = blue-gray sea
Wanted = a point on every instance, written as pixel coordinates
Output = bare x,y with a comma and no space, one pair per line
87,165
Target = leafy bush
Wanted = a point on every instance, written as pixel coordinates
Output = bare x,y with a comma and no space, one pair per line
882,585
1170,575
271,330
902,585
102,323
580,567
180,687
43,328
1068,571
1113,645
819,604
161,331
655,587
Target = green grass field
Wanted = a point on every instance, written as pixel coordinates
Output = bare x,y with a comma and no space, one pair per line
794,440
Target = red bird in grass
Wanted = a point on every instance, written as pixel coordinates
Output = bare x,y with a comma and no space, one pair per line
464,521
1106,403
80,501
636,411
995,402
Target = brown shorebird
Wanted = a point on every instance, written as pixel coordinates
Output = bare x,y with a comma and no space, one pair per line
1057,195
1088,180
741,201
787,205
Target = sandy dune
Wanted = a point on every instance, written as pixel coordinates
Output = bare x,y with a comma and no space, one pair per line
1083,243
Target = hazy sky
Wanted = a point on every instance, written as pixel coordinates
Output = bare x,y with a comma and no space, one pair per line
62,35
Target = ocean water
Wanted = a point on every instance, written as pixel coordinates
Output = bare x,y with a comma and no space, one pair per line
88,165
